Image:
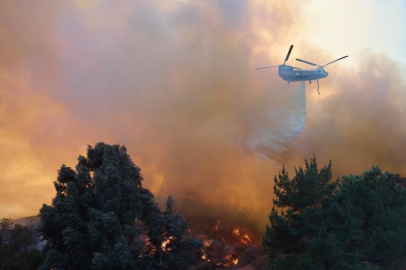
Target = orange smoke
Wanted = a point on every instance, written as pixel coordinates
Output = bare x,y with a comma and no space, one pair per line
175,83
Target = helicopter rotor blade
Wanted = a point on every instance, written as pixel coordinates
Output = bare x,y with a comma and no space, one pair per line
335,60
310,63
287,56
267,67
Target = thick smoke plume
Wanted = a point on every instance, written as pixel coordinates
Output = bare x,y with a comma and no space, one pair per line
175,83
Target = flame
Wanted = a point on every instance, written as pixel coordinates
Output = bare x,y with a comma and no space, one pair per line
230,260
225,234
166,242
204,255
216,227
247,237
207,243
246,240
148,248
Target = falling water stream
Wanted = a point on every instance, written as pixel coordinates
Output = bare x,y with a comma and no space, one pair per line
278,127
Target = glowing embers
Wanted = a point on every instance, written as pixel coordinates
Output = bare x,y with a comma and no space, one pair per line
225,242
148,247
165,246
244,239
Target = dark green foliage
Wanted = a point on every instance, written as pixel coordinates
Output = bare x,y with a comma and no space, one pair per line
361,224
166,232
309,187
97,215
18,247
170,205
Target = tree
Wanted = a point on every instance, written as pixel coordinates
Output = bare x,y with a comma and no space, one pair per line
167,245
95,219
308,188
301,196
18,247
180,251
359,224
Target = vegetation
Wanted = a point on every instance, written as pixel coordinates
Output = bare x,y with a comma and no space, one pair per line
102,218
358,222
18,247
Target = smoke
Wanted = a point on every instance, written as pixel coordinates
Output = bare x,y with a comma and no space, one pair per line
274,128
175,83
358,120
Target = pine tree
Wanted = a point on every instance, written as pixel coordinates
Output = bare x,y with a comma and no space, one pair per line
300,197
358,225
309,186
373,207
95,219
92,219
167,237
170,205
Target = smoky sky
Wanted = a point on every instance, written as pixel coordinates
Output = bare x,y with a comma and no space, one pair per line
175,83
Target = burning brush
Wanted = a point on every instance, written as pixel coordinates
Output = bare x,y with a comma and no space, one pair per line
225,242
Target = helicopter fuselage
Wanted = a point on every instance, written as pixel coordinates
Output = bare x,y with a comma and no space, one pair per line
292,74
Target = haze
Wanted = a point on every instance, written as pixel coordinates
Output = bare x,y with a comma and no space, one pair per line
174,82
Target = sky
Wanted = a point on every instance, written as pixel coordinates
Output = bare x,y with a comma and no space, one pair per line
175,82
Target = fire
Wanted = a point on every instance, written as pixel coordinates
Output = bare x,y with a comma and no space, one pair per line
166,242
230,260
148,247
242,237
216,227
247,237
207,243
204,255
246,240
224,242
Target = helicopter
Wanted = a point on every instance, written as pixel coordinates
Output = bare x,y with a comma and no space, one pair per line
295,74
